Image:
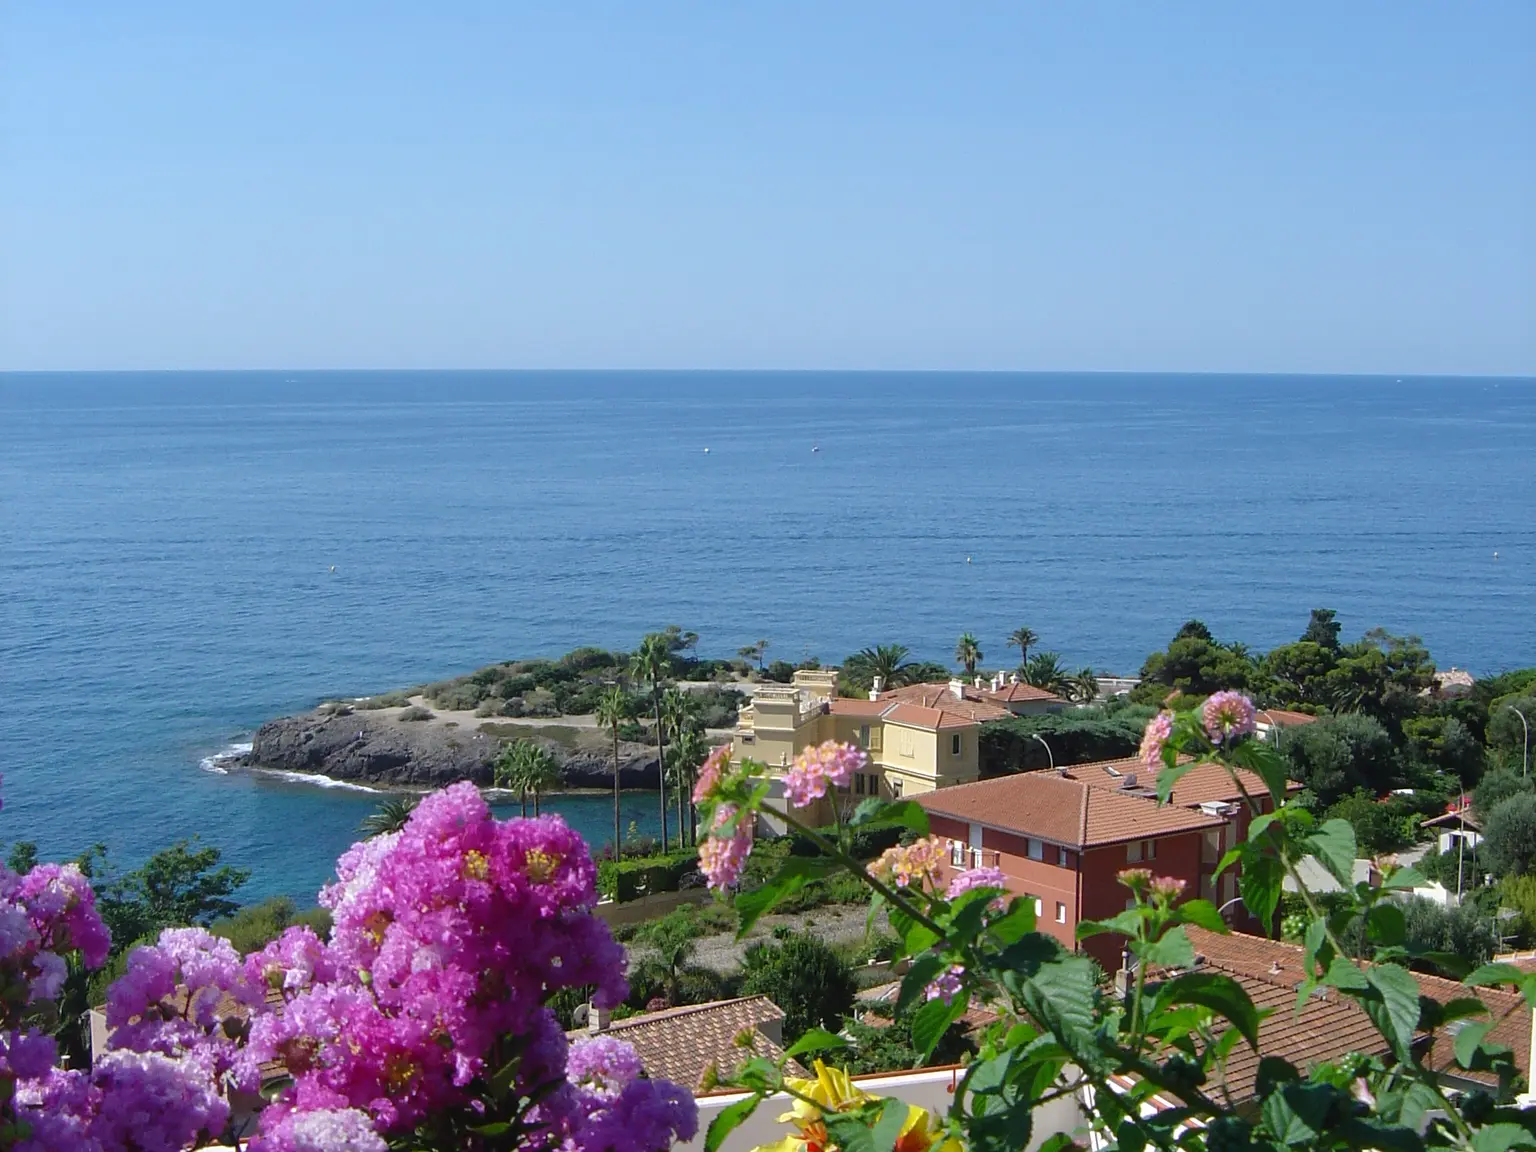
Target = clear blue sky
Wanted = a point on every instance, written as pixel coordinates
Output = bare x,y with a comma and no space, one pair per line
1290,186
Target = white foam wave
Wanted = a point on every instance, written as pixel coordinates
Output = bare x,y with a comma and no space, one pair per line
314,779
218,762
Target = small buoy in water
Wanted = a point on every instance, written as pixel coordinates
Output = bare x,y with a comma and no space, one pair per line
815,447
706,451
1495,555
967,559
333,567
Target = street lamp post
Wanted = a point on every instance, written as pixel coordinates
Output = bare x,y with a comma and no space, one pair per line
1525,761
1047,748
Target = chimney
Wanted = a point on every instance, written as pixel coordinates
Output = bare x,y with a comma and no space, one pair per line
957,689
977,682
876,686
1013,678
1123,976
1128,780
598,1019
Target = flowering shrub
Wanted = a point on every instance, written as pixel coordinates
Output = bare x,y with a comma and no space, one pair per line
1060,1033
420,1023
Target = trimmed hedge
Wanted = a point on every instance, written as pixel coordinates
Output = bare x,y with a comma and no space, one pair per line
626,880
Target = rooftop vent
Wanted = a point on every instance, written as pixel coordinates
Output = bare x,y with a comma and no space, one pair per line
1128,780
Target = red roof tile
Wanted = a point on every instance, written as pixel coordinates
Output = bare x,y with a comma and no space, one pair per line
942,696
678,1044
1019,693
1064,811
916,716
1283,718
1329,1028
1202,784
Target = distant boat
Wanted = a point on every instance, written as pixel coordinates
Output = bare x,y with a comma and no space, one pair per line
706,451
815,447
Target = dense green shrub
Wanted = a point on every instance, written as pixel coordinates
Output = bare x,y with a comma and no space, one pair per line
804,976
1379,828
415,712
256,925
1463,931
862,844
335,708
882,1042
1075,736
587,659
385,700
629,878
1509,836
1342,754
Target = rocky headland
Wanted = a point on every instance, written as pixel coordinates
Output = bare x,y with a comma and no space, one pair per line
418,747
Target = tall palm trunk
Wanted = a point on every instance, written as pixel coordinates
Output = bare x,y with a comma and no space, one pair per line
661,763
617,839
523,799
693,813
682,820
535,801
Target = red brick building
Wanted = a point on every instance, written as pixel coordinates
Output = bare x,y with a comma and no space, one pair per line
1062,837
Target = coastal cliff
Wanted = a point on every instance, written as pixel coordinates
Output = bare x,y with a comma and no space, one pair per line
386,748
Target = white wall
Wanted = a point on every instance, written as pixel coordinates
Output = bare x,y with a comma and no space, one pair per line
933,1090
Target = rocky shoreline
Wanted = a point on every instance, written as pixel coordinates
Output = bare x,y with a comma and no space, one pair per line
381,750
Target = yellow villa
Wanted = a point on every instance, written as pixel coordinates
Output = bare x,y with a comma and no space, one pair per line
919,738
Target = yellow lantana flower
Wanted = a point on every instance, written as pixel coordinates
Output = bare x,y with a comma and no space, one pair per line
833,1090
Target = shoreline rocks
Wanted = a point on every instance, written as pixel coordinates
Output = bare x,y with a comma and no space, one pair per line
379,749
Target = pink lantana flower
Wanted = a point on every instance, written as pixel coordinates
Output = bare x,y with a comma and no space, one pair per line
1228,716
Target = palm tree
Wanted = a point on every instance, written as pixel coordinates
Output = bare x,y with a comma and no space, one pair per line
1045,670
680,718
762,648
1023,639
968,652
672,942
527,766
1084,686
651,664
389,816
886,662
687,753
508,772
613,708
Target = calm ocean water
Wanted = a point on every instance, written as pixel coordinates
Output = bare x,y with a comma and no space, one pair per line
166,543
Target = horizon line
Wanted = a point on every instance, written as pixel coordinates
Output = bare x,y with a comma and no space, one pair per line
1399,376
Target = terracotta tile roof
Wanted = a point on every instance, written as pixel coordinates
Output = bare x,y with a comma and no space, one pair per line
1019,693
678,1044
1065,811
916,716
1270,970
1283,718
1202,784
906,712
969,704
853,706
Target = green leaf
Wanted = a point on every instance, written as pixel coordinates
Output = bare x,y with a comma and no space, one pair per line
729,1119
816,1040
793,875
1203,914
1260,883
1386,925
922,972
1298,1113
1273,1072
874,813
1334,845
1222,994
989,1076
893,1115
850,1131
915,935
1343,973
1260,823
1018,923
1501,1138
1404,877
1495,974
1396,1014
1171,950
1468,1039
931,1020
1168,777
1125,923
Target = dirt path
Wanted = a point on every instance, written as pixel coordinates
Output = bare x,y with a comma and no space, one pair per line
835,923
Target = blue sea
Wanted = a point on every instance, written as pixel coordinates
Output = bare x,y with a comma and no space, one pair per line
167,543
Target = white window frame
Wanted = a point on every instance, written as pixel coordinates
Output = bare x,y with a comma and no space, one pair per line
1061,912
1035,849
955,745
